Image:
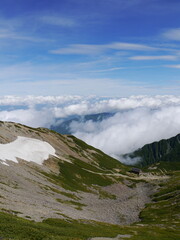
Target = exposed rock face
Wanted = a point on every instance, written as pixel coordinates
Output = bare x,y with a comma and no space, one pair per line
78,182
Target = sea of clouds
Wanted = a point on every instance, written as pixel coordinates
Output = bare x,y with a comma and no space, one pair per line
138,120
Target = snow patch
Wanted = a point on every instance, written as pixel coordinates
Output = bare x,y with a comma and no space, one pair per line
28,149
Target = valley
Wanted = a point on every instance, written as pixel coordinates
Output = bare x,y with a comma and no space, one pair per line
79,192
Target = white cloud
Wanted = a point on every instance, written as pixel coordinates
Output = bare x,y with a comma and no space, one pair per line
172,34
173,66
115,104
165,57
64,106
16,29
58,21
129,130
29,117
34,100
130,46
105,70
90,49
84,49
138,120
15,35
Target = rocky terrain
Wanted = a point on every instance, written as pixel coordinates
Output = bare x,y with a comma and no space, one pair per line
33,191
74,182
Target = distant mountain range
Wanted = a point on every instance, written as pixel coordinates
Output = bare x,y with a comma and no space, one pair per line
63,125
166,150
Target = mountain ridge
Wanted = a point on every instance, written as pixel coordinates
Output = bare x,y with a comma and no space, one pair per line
63,125
80,182
82,193
166,150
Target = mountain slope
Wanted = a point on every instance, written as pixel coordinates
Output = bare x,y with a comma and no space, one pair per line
159,220
78,192
76,181
165,150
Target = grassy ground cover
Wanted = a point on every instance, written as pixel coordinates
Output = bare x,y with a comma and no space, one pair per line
159,220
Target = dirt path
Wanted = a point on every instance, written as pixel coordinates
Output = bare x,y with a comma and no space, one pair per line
143,176
119,237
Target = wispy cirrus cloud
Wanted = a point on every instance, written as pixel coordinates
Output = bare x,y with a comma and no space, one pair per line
84,49
173,66
16,35
130,46
27,28
163,57
89,49
59,21
16,29
172,34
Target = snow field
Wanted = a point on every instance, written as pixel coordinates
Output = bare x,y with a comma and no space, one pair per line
28,149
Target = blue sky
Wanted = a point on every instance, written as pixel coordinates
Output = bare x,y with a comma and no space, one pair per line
103,47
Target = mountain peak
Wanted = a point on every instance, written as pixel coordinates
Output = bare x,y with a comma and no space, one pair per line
166,150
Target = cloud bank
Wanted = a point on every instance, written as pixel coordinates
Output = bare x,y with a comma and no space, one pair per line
136,121
127,131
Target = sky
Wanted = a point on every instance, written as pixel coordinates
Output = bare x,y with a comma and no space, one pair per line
60,58
114,48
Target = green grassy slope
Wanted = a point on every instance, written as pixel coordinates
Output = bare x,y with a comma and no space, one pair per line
164,150
159,220
79,175
165,207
